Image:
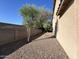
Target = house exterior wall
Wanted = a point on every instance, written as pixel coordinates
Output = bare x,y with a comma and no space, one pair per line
77,24
68,30
54,15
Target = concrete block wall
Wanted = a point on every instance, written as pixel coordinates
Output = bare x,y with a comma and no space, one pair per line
13,34
10,33
35,31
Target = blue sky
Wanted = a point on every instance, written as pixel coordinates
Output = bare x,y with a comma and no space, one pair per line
9,9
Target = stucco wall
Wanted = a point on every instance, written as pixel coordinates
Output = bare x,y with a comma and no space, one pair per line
10,33
77,23
54,15
68,31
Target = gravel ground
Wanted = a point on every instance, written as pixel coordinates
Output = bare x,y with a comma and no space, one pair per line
44,47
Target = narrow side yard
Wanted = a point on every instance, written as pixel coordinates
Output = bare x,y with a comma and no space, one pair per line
43,47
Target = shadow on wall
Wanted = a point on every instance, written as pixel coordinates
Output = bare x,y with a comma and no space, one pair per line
56,29
65,7
62,10
13,46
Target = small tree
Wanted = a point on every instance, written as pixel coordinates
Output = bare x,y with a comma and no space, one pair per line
44,20
29,13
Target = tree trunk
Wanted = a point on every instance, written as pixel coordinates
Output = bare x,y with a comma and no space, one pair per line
28,36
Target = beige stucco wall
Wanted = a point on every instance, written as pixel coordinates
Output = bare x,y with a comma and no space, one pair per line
68,30
77,23
54,16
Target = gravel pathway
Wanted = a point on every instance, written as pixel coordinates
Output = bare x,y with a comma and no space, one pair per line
44,47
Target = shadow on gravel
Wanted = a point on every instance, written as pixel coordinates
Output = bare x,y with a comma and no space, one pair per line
13,46
44,38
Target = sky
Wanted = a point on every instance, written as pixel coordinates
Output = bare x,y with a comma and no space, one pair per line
9,9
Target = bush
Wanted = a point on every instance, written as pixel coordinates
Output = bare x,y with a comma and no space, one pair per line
47,26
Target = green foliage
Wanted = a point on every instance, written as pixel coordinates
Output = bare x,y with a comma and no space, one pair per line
34,18
47,26
43,22
29,13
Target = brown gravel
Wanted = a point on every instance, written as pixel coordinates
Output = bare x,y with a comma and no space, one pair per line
44,47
